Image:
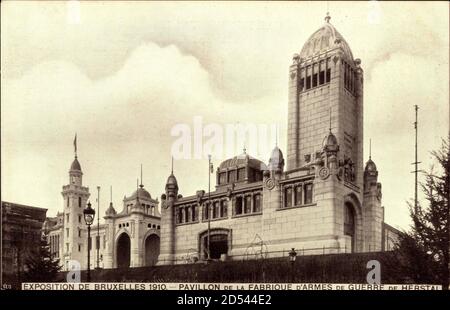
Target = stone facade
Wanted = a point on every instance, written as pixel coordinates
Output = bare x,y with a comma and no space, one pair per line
325,202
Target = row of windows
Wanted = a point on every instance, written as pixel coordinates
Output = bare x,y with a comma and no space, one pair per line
245,204
124,225
237,175
248,204
148,209
315,75
298,194
153,226
350,77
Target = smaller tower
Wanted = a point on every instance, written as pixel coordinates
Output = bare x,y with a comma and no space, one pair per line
166,256
372,209
75,196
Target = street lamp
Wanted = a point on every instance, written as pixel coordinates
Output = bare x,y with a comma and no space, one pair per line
89,215
292,258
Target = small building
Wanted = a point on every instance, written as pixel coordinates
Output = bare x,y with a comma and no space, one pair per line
21,235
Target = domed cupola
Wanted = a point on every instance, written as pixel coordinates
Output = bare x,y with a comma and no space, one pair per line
325,39
370,166
110,212
330,143
75,165
276,161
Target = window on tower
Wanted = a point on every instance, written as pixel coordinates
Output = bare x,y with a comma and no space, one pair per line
238,207
302,84
79,202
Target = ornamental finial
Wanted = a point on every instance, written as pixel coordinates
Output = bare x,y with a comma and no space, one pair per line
328,17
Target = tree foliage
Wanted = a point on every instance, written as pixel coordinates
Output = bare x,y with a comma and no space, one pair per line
40,266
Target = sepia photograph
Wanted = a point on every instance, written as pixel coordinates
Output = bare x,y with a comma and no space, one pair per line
243,146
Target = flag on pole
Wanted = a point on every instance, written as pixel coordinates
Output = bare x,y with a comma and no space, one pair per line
75,144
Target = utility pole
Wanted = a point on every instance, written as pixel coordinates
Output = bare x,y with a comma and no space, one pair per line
209,207
98,228
415,163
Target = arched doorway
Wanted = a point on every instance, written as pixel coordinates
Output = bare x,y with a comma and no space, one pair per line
349,224
123,251
151,247
219,244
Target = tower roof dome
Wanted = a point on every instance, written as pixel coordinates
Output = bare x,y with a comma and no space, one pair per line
110,211
326,38
370,166
172,180
330,140
75,165
141,193
276,160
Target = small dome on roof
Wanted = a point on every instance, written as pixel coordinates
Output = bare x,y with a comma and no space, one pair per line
110,211
370,166
172,180
243,159
143,193
75,165
276,160
330,140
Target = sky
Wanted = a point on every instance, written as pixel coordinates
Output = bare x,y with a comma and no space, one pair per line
124,76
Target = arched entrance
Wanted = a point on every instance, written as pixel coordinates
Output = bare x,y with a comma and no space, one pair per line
151,247
349,224
219,244
123,251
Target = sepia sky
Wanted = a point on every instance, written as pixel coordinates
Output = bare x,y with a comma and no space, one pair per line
122,74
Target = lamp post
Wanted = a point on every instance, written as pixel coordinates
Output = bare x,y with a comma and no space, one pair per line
89,215
97,238
292,258
208,259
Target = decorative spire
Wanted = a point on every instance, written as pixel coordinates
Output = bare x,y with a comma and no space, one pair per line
171,172
276,135
110,194
245,150
330,119
370,148
137,190
75,145
328,17
141,185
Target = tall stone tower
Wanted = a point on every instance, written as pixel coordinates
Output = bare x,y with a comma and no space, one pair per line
166,256
75,196
325,94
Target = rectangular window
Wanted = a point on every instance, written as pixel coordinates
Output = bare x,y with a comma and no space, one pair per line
238,207
178,215
79,218
241,174
188,214
302,84
79,247
288,197
222,178
67,247
328,77
67,218
223,208
68,201
67,232
216,209
79,232
298,195
308,82
322,77
194,213
104,241
248,204
205,211
257,203
232,176
314,80
308,193
79,202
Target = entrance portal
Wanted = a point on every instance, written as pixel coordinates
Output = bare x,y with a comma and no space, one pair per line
151,250
218,245
123,251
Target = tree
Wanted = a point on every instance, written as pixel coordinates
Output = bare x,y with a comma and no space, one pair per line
423,253
40,266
